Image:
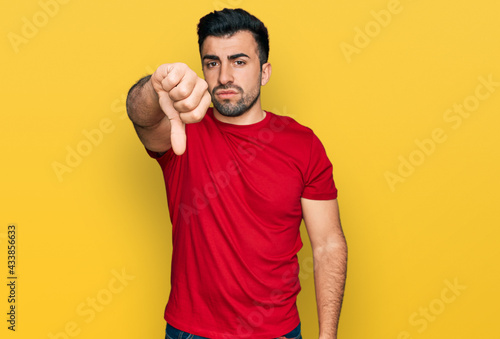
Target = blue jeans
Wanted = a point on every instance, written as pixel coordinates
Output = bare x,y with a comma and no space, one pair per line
174,333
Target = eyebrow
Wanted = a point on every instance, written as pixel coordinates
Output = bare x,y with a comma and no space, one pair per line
231,57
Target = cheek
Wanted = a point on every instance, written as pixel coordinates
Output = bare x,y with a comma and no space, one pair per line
209,76
211,83
256,76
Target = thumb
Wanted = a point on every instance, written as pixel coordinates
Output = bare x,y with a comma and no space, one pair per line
178,135
177,127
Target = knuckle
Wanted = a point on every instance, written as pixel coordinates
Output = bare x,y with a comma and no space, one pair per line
181,67
162,69
182,92
179,93
166,83
189,105
178,64
204,84
178,106
198,115
183,106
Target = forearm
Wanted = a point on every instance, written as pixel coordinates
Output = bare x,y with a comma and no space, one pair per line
143,107
330,268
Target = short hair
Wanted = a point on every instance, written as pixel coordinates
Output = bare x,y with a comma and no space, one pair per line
230,21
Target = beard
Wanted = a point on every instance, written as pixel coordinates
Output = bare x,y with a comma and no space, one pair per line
228,109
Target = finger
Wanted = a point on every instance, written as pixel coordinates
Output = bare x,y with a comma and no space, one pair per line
192,101
159,75
175,75
184,88
199,112
167,76
171,80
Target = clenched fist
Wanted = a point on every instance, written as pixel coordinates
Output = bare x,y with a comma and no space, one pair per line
183,97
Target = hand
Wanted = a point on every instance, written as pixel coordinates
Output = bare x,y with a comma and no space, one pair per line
183,97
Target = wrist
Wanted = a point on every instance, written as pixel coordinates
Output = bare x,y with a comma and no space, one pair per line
328,336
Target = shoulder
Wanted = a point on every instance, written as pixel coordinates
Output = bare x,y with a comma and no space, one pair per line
290,128
293,139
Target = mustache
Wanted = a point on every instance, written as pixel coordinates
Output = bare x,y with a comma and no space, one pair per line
229,86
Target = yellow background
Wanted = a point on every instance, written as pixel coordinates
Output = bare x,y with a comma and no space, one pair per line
437,225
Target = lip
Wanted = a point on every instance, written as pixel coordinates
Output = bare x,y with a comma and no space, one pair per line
225,94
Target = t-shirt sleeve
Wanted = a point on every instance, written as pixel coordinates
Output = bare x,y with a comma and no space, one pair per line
319,184
162,159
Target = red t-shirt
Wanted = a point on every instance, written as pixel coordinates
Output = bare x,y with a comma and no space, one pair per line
234,201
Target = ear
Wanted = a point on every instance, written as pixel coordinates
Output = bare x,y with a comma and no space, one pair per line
266,73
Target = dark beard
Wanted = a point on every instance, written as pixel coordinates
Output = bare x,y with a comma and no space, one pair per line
242,106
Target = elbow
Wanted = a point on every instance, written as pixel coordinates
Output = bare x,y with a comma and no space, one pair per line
337,247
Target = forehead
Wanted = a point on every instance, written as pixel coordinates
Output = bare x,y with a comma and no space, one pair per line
239,42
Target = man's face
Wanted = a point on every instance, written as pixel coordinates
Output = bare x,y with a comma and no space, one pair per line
232,71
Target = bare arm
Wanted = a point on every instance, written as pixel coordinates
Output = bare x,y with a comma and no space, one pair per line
330,261
150,123
161,104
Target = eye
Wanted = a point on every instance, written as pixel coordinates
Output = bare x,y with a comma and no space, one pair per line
239,62
211,64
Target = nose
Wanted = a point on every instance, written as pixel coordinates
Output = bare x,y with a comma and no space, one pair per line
226,73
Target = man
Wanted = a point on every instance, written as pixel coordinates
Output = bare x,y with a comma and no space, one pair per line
239,180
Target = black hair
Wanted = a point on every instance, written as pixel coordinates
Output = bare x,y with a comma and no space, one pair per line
229,21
